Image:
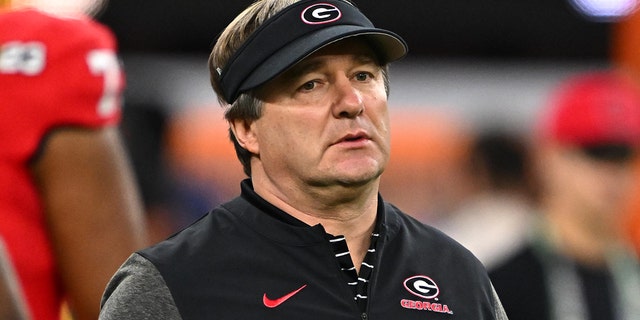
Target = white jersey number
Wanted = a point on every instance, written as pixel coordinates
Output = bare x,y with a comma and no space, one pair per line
26,58
105,63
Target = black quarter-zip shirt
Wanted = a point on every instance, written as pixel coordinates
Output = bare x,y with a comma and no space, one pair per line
246,259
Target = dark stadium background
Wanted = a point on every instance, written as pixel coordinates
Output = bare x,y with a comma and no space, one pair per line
538,29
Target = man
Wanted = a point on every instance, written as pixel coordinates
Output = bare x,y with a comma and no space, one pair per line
577,265
69,208
305,84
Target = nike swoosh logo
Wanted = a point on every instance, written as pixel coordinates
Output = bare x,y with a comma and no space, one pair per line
272,303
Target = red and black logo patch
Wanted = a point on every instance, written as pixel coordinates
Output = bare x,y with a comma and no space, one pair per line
427,289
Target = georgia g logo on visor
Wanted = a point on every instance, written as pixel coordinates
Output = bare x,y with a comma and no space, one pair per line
422,286
320,13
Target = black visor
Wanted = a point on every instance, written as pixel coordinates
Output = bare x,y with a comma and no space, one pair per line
293,34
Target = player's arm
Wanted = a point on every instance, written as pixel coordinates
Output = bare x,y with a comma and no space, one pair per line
93,209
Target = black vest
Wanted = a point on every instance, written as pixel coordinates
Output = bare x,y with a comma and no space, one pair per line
238,259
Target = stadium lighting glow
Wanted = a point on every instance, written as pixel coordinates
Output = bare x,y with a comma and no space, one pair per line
605,10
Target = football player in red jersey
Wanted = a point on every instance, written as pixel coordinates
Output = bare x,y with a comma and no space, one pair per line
70,212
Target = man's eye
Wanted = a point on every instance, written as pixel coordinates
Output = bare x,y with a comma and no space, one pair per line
362,76
308,85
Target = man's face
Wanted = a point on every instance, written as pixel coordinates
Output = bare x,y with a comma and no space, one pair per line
595,182
325,120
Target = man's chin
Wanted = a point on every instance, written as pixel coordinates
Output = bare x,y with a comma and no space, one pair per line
358,179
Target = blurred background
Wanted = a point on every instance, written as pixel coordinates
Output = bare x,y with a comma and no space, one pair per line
474,68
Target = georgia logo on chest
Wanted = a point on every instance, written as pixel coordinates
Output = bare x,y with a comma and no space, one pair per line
426,288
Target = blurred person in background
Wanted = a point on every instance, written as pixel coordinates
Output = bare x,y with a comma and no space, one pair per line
578,265
494,218
70,213
173,197
143,129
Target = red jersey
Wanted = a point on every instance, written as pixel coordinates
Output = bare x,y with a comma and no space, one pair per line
54,72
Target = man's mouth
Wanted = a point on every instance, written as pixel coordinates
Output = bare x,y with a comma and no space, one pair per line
353,137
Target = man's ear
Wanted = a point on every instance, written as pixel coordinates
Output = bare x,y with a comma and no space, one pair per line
244,132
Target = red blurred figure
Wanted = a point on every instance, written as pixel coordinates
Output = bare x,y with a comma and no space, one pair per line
578,264
69,209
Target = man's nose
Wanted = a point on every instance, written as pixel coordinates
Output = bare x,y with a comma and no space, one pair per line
348,101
